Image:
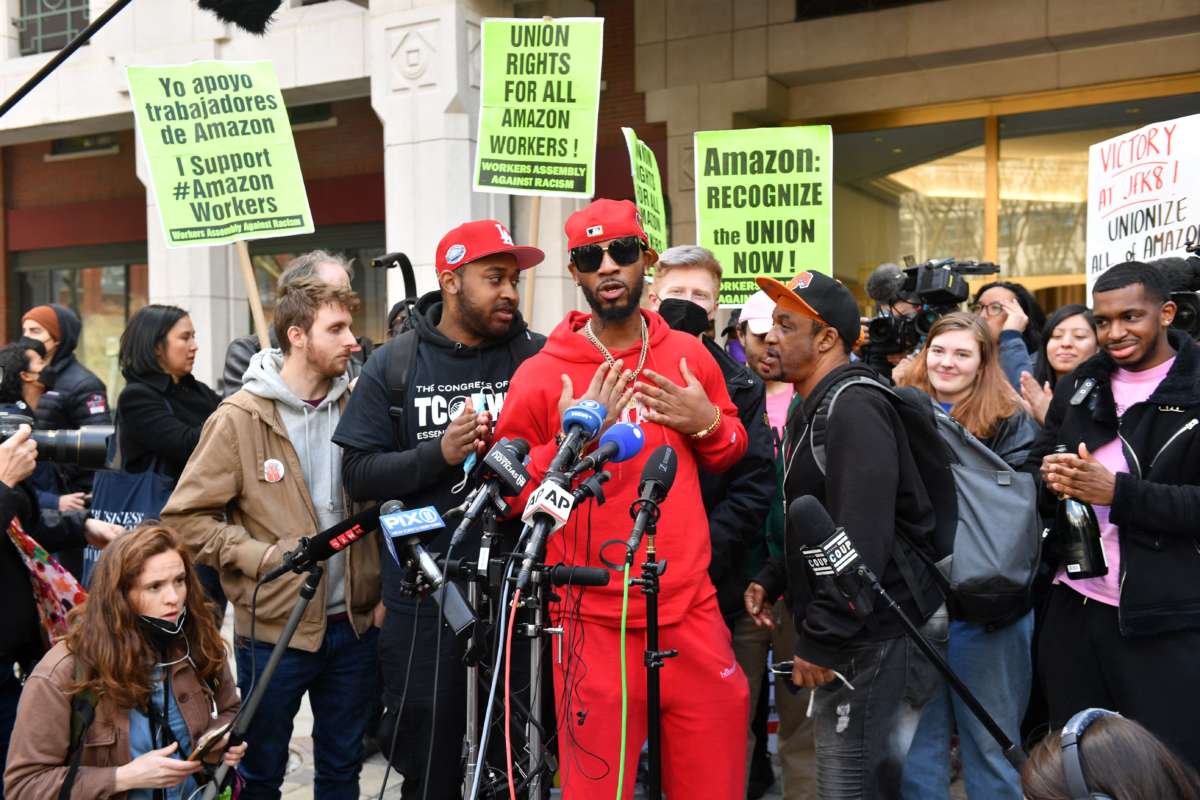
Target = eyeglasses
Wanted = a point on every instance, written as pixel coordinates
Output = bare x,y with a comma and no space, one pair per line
623,252
989,310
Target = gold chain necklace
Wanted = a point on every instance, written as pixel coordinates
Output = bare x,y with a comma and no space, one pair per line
608,357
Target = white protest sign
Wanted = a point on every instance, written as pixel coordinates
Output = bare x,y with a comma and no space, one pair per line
1143,195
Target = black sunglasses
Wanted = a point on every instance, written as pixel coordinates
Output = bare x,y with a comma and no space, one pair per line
624,251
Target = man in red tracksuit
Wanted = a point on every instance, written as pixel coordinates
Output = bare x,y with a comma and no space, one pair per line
630,361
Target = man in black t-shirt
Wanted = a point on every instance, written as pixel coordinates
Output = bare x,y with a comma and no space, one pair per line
465,343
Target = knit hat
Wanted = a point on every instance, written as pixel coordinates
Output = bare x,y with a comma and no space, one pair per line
44,316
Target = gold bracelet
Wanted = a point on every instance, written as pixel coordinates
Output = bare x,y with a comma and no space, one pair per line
708,431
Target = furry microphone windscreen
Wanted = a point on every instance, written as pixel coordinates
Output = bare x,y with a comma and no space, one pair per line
249,15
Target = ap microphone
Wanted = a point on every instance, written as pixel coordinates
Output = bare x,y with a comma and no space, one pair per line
326,543
619,443
657,476
407,527
504,475
813,543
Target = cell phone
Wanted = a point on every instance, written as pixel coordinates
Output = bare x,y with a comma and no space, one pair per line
207,741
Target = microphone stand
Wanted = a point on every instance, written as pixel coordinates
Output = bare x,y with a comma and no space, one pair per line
242,722
654,659
1013,752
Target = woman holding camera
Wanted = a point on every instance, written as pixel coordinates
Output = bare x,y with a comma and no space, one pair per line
960,370
144,655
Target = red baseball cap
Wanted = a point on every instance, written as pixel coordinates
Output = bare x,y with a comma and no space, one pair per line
472,241
602,220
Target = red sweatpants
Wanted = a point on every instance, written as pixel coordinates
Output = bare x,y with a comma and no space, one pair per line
705,709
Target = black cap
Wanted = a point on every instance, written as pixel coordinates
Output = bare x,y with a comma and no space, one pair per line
819,297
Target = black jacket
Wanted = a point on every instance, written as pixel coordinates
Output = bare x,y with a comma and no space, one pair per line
243,348
873,489
385,461
20,631
738,501
161,418
1157,503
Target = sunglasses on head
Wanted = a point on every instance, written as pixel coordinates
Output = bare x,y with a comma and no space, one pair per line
623,252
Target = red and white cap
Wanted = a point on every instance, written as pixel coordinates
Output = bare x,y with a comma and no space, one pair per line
602,220
472,241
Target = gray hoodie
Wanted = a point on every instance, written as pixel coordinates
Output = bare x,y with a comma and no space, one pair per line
310,429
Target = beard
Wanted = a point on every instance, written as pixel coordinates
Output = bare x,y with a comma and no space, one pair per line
477,317
328,365
620,311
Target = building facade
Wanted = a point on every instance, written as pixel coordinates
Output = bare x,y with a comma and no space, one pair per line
961,129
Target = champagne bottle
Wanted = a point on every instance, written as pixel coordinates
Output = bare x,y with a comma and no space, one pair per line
1078,534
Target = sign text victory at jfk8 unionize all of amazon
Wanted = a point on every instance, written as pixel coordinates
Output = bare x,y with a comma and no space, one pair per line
764,204
539,103
1143,195
220,150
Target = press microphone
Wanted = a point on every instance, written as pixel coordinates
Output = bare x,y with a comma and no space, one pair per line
407,527
326,543
565,575
619,443
814,543
657,476
581,422
505,475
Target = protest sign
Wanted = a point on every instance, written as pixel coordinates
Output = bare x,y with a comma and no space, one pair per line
539,102
764,204
647,189
1143,195
219,145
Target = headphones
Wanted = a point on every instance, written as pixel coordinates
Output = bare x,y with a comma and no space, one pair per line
1072,761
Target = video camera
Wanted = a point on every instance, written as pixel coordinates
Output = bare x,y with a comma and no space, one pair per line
1183,276
86,447
937,287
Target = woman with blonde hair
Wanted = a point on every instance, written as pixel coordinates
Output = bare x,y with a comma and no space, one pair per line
145,662
959,367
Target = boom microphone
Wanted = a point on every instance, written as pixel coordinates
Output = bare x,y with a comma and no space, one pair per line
884,284
326,543
657,477
406,527
249,15
619,443
828,554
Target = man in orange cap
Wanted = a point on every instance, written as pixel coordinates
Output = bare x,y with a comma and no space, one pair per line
629,360
870,681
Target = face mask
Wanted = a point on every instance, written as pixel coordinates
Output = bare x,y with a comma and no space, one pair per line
162,632
684,315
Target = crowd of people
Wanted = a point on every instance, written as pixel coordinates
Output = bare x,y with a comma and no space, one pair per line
130,692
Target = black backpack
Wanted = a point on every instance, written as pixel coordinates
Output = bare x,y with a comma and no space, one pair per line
984,561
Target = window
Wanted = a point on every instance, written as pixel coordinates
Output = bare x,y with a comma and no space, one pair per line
104,293
359,243
906,191
47,25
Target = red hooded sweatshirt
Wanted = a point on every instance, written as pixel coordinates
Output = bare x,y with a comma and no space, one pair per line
531,412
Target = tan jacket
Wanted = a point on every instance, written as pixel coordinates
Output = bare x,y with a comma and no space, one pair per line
41,739
229,515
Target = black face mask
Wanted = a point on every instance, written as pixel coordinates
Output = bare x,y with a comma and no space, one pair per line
161,632
684,315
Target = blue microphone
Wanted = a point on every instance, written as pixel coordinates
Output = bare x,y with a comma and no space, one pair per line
581,422
410,528
619,443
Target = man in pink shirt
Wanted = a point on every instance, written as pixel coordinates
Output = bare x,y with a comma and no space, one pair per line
1129,640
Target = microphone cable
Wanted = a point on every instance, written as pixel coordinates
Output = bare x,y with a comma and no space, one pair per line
624,682
512,625
412,646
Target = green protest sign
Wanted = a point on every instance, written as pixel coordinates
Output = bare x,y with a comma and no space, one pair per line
647,188
220,150
764,202
539,102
